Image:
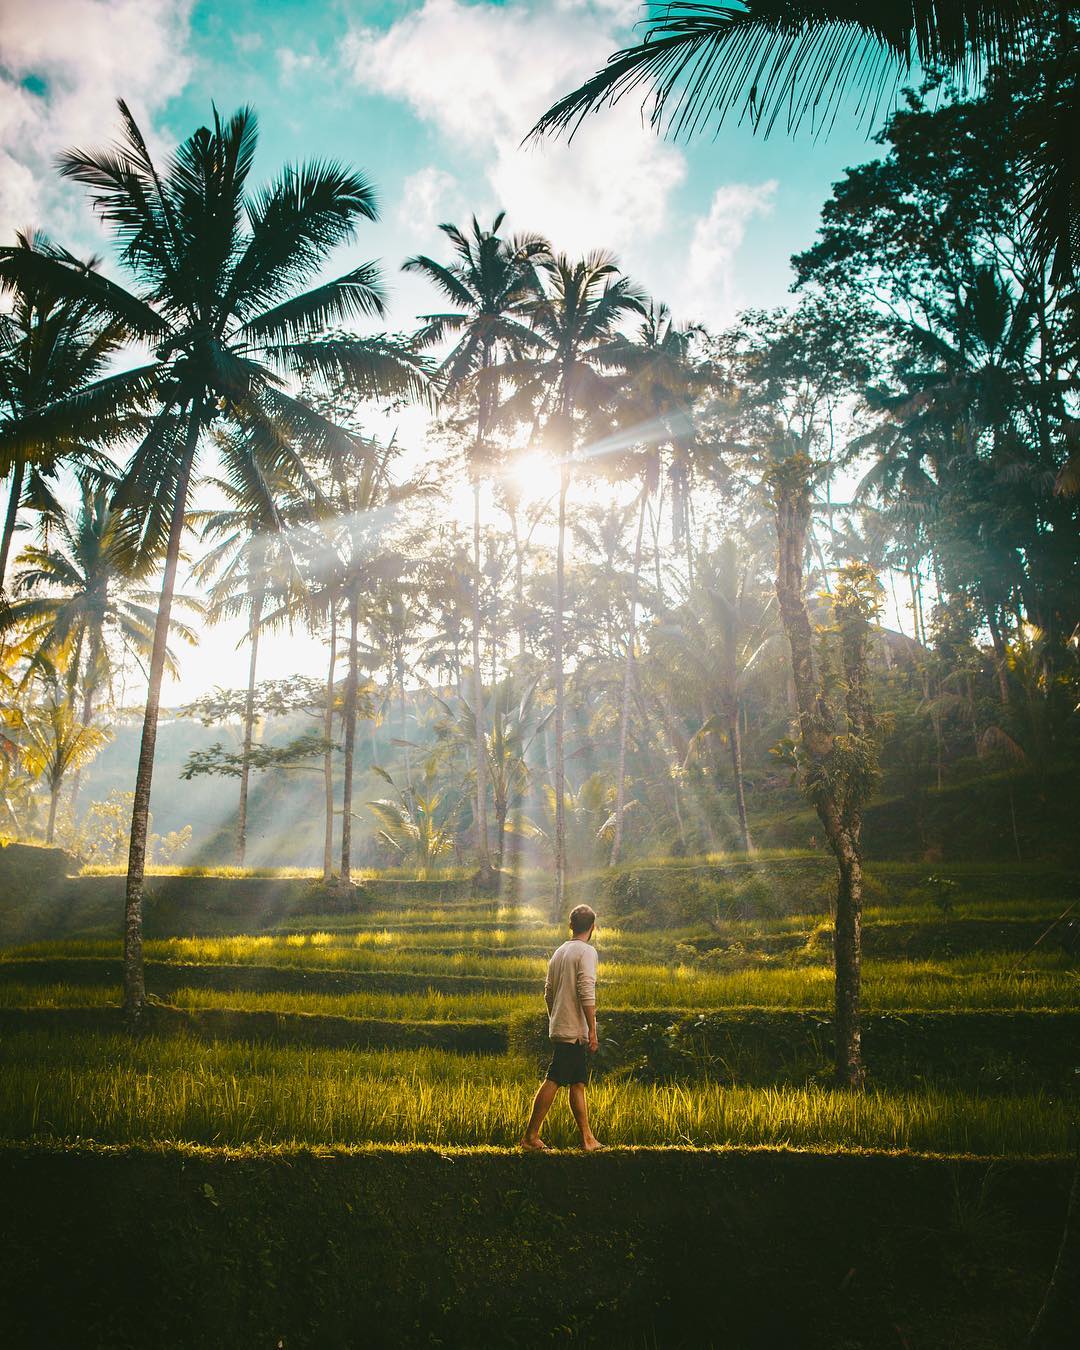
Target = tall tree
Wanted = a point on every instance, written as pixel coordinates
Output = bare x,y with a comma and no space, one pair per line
216,269
566,386
662,381
50,348
493,284
797,60
74,601
251,562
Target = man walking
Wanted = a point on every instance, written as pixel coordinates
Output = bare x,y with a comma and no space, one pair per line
570,995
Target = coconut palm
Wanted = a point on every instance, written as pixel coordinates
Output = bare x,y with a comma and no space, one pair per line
493,285
252,561
796,60
564,385
662,383
52,738
216,271
78,597
50,348
419,825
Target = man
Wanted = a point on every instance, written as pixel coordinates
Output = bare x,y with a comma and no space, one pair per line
570,995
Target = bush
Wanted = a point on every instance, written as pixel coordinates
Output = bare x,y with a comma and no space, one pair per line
993,1051
390,1248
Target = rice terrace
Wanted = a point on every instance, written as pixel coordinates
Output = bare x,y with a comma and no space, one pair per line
539,675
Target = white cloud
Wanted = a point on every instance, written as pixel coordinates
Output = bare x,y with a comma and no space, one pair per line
64,64
482,74
710,290
428,197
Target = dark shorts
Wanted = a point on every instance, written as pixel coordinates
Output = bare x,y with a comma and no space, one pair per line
569,1063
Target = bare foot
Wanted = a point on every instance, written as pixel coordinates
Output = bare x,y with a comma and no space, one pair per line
533,1145
592,1145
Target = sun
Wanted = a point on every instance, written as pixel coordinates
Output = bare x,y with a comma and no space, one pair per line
533,475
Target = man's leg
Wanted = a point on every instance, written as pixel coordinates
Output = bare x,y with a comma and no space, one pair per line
545,1095
579,1106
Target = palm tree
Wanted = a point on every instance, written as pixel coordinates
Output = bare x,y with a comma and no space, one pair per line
663,382
79,596
564,384
418,824
53,739
50,348
215,268
770,60
251,561
711,644
493,284
516,722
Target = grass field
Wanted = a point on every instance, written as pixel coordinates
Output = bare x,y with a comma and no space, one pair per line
181,1090
94,1086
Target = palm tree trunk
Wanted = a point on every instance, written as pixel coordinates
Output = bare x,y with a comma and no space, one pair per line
87,713
628,675
560,700
134,980
328,757
54,802
480,745
735,742
249,726
519,583
349,716
9,519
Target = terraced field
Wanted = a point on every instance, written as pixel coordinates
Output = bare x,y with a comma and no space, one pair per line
417,1023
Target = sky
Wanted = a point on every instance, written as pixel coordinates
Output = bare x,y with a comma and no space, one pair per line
431,99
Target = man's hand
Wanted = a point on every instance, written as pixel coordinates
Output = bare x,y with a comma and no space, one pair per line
590,1021
594,1044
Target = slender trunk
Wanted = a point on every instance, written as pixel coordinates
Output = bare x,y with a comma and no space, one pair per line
848,959
9,519
500,835
54,802
735,742
817,732
328,757
249,727
134,980
479,742
1000,657
628,674
349,717
87,713
560,700
519,584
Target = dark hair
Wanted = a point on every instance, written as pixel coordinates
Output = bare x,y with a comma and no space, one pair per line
582,919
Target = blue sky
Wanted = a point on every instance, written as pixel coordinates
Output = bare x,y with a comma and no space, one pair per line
430,98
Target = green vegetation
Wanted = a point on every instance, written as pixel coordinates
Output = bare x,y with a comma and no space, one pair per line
184,1091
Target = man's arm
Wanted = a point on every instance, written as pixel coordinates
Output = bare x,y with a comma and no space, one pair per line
586,989
549,993
589,1009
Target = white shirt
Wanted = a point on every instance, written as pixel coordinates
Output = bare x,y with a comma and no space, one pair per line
570,987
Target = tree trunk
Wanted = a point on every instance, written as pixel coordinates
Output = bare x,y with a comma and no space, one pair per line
735,743
328,757
134,980
519,584
560,701
500,835
9,519
817,734
848,959
1059,1316
54,802
87,713
249,727
479,743
628,674
348,714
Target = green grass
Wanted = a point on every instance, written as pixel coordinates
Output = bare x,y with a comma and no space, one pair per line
186,1091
